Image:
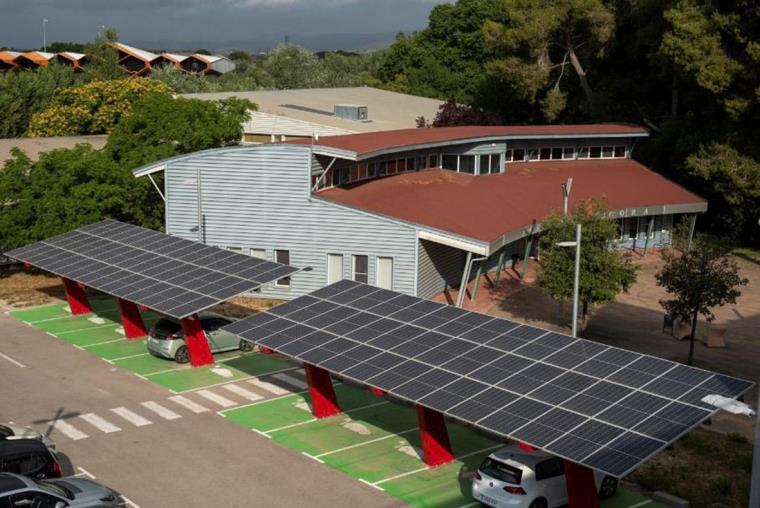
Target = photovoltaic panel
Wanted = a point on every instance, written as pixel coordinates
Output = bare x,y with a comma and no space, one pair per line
596,405
170,275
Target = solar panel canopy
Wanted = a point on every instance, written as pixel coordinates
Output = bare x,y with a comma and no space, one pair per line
170,275
604,407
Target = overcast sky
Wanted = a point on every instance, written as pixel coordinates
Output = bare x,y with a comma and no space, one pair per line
206,20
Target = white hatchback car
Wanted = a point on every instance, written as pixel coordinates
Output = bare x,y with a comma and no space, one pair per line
514,478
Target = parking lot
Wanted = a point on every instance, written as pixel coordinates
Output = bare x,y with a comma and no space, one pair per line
371,450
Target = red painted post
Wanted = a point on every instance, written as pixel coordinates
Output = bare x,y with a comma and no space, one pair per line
526,447
196,342
436,446
377,392
131,319
265,350
581,488
324,402
76,297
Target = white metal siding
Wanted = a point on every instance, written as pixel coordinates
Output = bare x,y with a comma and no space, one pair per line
438,266
259,197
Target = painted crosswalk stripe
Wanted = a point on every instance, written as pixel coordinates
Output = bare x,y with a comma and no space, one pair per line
246,394
217,399
132,417
166,414
293,381
188,404
271,388
68,430
100,423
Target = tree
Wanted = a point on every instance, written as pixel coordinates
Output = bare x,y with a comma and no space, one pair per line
292,66
58,47
94,108
451,113
698,280
538,40
604,270
240,55
102,60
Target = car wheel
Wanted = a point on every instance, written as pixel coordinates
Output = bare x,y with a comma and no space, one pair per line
246,346
608,487
182,355
539,503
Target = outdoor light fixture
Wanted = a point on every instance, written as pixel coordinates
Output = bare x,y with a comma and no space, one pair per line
566,192
576,283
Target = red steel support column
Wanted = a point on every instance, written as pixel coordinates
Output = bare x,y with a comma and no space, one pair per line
324,402
196,342
581,488
76,297
131,319
436,446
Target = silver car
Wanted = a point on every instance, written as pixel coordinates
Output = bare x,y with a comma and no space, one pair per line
167,340
20,491
11,431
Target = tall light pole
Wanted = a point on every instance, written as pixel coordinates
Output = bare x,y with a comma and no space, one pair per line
754,493
44,34
100,31
576,282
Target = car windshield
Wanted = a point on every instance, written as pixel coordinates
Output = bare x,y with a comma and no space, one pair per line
501,471
5,431
54,488
165,327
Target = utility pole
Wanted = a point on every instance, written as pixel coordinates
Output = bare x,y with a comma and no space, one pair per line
754,494
44,34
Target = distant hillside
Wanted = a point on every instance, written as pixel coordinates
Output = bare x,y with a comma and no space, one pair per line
319,42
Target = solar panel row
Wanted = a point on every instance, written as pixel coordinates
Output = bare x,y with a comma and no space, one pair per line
600,406
171,275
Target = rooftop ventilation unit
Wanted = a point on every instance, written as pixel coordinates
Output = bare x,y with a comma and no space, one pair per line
351,112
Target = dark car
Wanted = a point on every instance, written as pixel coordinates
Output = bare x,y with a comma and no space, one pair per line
28,457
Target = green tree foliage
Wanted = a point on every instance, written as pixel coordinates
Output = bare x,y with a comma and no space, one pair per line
239,56
102,59
697,281
294,67
604,270
22,94
58,47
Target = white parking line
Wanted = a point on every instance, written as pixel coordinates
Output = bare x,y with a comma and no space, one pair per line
14,362
428,467
269,387
188,404
643,503
65,332
284,427
366,442
217,399
129,356
166,414
130,502
246,394
84,472
287,378
132,417
68,430
104,342
100,423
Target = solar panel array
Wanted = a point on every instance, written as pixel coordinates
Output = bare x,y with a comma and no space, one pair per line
600,406
170,275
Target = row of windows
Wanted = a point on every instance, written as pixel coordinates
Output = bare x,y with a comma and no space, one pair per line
359,267
545,153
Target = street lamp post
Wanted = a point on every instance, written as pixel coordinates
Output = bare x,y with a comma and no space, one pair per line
576,282
44,34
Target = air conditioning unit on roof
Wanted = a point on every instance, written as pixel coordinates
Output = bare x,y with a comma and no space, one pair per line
351,112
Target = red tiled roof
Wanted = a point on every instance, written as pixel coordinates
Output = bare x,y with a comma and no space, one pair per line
369,142
490,206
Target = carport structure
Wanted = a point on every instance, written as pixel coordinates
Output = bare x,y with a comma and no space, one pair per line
595,406
141,267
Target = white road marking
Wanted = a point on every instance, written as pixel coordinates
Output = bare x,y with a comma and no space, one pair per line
643,503
217,399
373,485
269,387
97,320
166,414
65,332
84,472
366,442
14,362
188,404
391,478
104,342
100,423
287,378
132,417
68,430
246,394
125,357
284,427
52,335
312,457
130,502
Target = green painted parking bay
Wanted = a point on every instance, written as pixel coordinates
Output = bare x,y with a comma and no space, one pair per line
120,348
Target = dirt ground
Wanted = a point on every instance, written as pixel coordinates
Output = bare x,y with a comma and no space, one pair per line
635,322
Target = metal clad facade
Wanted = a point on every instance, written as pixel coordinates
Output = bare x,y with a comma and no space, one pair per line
438,266
259,198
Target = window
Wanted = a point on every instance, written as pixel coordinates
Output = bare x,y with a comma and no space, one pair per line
633,228
410,164
490,163
619,152
467,164
556,153
484,164
550,468
421,164
433,161
362,171
595,152
257,253
334,268
34,499
382,168
495,163
236,250
385,272
568,152
371,171
361,269
354,173
401,165
501,471
545,154
449,162
282,256
518,154
583,152
533,154
391,167
607,152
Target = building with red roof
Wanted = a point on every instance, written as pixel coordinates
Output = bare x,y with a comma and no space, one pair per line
416,210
